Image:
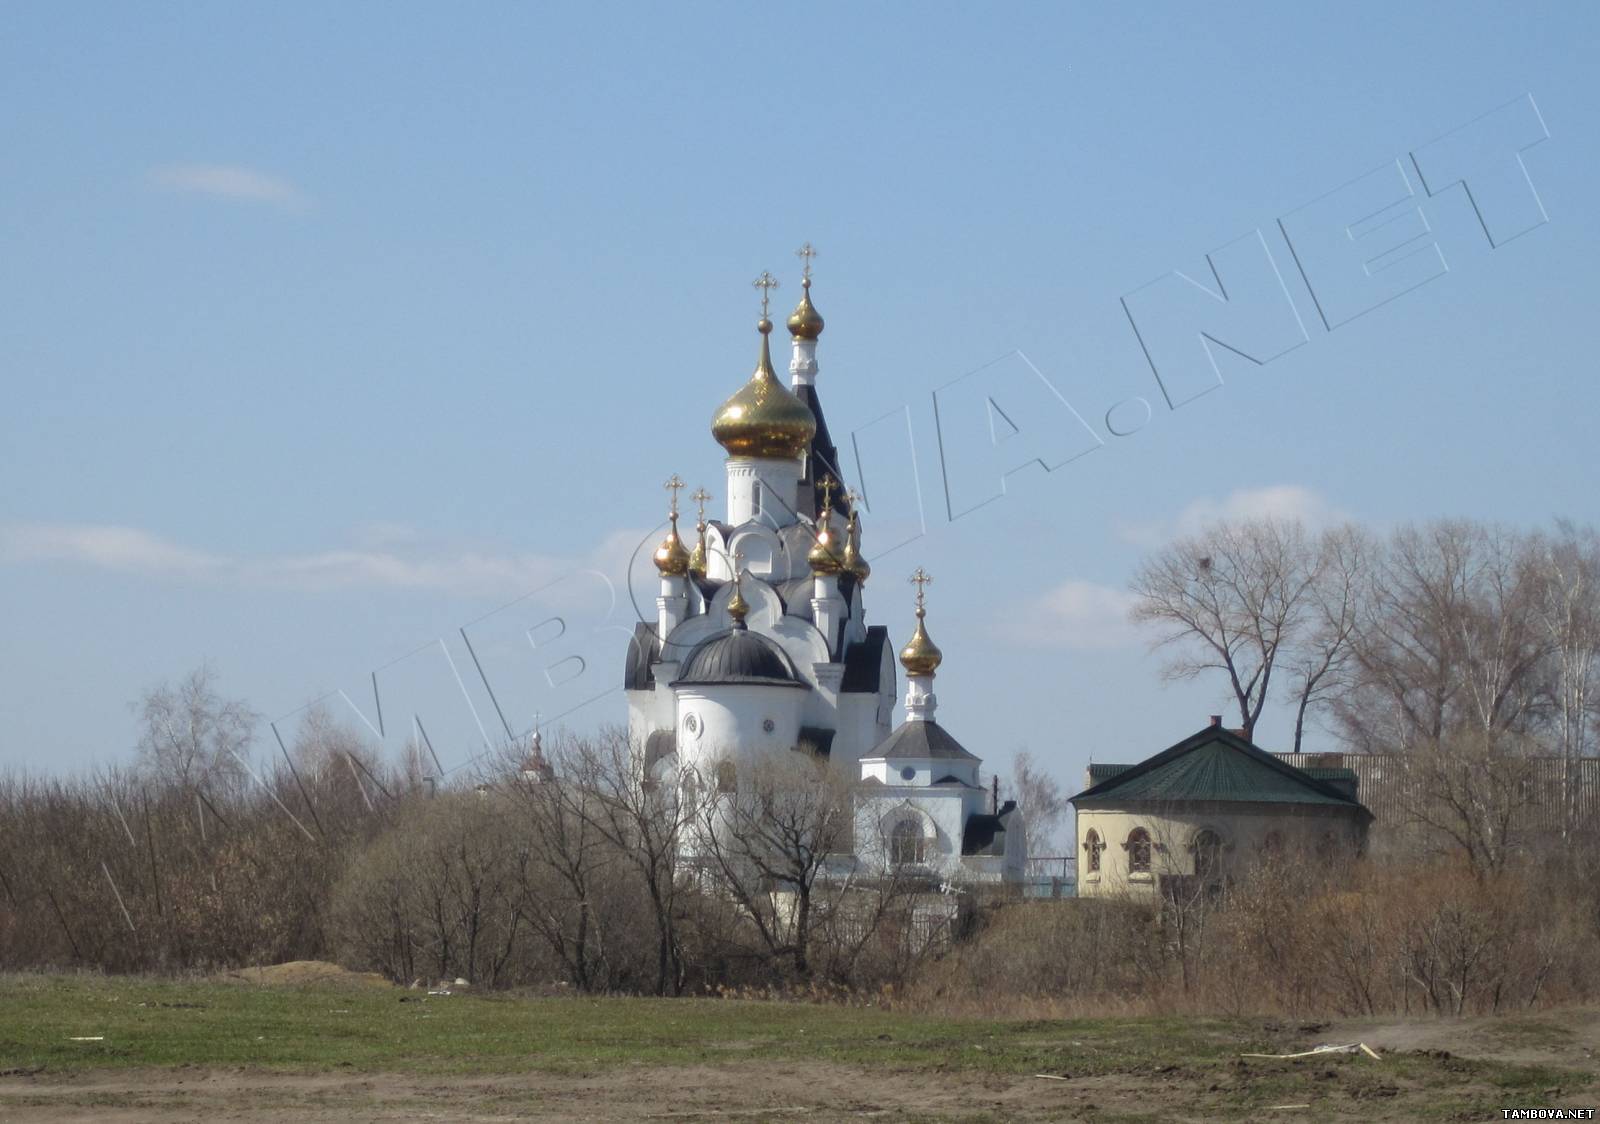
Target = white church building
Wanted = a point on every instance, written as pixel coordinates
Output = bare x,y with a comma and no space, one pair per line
761,644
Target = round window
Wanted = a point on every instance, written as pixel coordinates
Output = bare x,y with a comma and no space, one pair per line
691,726
908,773
768,725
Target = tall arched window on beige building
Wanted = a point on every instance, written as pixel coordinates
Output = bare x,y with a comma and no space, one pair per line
1091,852
1138,848
1207,855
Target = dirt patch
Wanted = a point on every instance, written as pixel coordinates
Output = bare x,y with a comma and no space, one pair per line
304,973
1567,1038
818,1091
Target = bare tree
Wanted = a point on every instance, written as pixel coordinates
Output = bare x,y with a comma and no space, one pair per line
1044,805
566,866
194,736
1232,599
645,819
1321,657
769,841
1566,576
1446,641
1473,793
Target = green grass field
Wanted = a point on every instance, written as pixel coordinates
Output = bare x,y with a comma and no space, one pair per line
160,1023
140,1024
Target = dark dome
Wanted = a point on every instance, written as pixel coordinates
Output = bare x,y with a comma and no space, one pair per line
737,655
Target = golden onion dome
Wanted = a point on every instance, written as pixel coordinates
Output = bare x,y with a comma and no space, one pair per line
737,605
670,557
920,656
805,322
697,557
853,560
764,418
825,556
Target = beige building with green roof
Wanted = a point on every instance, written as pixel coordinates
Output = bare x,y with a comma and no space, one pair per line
1182,822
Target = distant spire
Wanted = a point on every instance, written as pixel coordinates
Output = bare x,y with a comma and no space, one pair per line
671,559
825,556
854,561
737,605
697,559
921,656
805,322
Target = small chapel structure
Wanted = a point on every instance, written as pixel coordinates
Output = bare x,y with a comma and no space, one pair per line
761,644
1182,822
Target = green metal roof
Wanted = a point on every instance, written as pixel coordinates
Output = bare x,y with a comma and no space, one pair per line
1104,771
1214,764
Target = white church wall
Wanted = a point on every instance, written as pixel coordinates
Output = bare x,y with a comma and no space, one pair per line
732,722
778,484
878,810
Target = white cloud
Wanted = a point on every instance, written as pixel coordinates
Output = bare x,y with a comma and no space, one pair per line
1077,615
228,181
1274,501
469,572
128,549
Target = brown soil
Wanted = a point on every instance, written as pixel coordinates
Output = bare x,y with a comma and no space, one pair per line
813,1090
752,1091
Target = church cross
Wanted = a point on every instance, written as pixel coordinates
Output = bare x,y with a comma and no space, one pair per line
674,484
852,497
805,254
700,497
827,484
920,579
766,283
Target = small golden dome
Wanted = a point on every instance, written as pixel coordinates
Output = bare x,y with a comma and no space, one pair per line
697,557
737,605
920,656
670,557
853,561
825,556
805,322
763,418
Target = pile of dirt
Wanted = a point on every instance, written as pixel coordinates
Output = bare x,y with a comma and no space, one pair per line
304,973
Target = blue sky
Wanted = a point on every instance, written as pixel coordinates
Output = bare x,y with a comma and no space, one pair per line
327,330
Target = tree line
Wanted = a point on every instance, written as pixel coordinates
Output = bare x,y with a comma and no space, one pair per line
571,866
1449,630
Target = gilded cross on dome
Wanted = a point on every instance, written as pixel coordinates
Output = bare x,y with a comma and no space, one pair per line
674,484
805,254
700,497
766,283
920,579
827,484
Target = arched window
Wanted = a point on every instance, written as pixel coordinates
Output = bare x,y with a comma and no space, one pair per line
906,842
755,497
1207,848
1138,848
1272,843
727,777
1091,851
